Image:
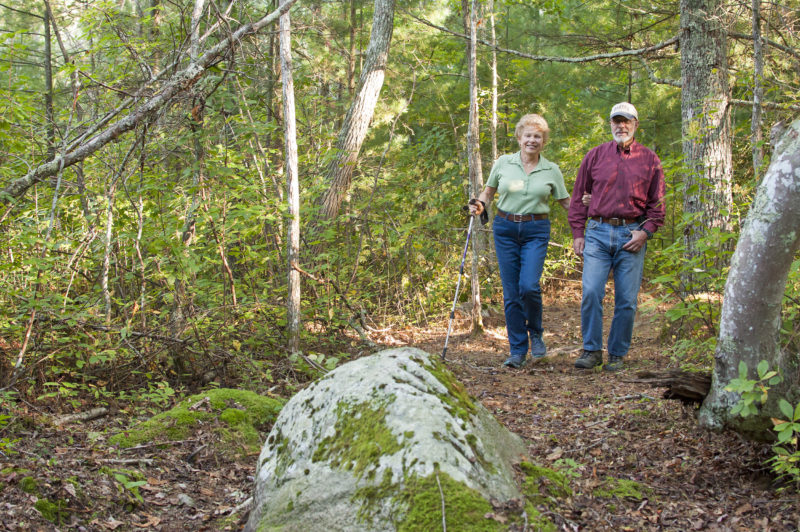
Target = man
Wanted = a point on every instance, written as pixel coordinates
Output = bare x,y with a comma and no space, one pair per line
624,185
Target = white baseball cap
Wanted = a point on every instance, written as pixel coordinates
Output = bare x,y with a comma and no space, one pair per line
624,109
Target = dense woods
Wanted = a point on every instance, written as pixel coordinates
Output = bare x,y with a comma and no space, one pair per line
196,194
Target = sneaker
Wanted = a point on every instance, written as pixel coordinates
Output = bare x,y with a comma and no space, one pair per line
589,359
515,361
538,349
614,363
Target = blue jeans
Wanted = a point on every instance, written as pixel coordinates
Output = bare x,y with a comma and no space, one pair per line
521,248
602,253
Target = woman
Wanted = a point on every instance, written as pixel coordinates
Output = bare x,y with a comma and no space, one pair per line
525,180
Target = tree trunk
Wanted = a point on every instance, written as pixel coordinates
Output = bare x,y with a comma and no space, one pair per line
493,121
48,90
706,122
356,122
758,92
474,156
751,311
293,190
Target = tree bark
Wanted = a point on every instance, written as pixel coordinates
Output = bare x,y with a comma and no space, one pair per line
706,122
293,190
758,92
751,311
356,122
474,156
493,121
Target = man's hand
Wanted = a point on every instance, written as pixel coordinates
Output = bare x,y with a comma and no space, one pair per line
577,246
637,241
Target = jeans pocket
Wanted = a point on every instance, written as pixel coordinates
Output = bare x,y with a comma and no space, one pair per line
592,224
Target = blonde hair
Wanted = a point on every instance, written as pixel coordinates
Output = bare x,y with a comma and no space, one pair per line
533,120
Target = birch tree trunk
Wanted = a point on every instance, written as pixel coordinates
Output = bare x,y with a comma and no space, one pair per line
758,92
356,122
706,122
474,156
751,312
493,121
292,183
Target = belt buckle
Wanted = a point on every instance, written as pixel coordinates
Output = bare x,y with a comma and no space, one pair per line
616,222
516,218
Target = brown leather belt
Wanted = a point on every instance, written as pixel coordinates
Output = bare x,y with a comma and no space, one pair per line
615,221
521,217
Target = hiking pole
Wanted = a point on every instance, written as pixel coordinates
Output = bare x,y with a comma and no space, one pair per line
458,286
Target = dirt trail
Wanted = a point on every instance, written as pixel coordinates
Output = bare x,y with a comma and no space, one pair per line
600,425
611,427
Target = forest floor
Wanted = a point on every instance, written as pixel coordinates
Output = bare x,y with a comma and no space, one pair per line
597,425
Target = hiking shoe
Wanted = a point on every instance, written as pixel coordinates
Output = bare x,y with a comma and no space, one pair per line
589,359
515,361
614,363
538,349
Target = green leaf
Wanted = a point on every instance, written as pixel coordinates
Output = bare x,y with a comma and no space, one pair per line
786,408
762,368
784,436
742,370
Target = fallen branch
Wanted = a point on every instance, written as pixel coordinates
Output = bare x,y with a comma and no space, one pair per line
94,413
248,502
686,386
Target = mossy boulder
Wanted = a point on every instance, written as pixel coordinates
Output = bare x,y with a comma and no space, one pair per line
236,416
385,442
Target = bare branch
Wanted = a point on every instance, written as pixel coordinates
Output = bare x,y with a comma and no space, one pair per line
749,37
558,59
180,82
657,80
767,105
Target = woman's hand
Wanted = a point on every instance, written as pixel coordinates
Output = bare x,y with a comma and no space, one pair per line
475,207
586,199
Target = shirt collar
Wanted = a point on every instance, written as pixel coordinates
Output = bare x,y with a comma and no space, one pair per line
625,150
544,164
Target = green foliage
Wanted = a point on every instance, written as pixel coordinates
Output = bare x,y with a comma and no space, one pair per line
785,461
6,443
753,392
128,482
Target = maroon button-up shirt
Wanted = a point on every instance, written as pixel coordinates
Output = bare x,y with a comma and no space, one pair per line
624,183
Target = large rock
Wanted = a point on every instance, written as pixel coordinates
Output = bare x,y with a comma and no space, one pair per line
383,443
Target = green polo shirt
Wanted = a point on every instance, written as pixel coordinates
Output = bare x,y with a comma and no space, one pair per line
521,193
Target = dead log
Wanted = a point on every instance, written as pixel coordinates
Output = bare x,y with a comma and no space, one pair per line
686,386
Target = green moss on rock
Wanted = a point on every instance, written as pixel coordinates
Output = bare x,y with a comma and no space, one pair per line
240,415
361,437
538,522
543,485
622,489
464,507
55,512
29,485
457,399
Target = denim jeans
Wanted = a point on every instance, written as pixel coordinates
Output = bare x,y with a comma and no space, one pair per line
521,248
602,253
